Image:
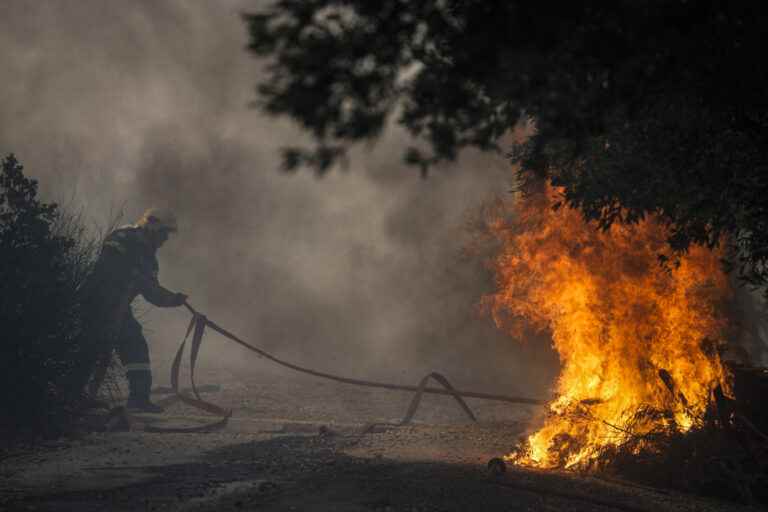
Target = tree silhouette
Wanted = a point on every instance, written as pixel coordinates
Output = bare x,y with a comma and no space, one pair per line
650,107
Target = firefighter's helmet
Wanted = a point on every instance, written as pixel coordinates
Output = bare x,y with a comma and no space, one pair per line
159,219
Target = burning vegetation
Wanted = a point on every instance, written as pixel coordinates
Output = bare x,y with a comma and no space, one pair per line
639,345
642,391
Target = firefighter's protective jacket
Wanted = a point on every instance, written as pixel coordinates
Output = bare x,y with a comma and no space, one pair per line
128,267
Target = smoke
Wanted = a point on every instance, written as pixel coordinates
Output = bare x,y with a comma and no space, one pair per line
134,104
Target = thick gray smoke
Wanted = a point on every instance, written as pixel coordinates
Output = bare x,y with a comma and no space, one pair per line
134,104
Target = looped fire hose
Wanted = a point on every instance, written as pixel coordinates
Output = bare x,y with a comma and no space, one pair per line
197,326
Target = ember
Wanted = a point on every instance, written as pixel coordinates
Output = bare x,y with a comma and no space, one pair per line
637,343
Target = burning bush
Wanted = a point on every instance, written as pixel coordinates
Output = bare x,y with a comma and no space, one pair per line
639,343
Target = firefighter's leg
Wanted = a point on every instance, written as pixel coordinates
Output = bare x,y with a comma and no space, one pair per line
134,354
96,346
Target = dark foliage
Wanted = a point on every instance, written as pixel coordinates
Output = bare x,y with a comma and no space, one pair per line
44,258
706,460
640,107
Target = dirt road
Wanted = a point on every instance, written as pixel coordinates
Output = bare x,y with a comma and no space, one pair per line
297,444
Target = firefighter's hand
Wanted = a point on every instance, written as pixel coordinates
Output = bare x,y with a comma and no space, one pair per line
181,298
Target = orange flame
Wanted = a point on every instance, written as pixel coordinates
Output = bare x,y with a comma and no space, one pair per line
631,336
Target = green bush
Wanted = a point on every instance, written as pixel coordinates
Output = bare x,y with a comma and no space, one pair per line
45,256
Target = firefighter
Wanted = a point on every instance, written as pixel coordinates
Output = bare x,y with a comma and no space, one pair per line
127,267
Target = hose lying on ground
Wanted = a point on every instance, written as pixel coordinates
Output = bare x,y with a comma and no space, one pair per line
197,326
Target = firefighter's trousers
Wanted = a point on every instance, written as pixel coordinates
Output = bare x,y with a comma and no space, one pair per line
134,354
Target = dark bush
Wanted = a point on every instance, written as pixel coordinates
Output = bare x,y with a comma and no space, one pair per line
45,255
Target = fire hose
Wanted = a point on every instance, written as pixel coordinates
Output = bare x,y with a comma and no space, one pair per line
197,326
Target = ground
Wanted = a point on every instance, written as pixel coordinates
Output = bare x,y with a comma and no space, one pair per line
296,443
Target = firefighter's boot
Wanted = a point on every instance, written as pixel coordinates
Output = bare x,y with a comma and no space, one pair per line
140,383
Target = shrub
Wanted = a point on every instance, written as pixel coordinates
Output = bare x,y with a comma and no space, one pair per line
45,256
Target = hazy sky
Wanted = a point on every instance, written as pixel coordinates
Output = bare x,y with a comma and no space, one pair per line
134,104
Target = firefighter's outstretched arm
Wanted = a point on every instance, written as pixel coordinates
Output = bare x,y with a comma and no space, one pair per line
157,295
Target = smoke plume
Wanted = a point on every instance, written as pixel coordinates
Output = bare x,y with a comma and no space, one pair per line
125,105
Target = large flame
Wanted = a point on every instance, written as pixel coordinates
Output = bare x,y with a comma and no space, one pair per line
632,337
